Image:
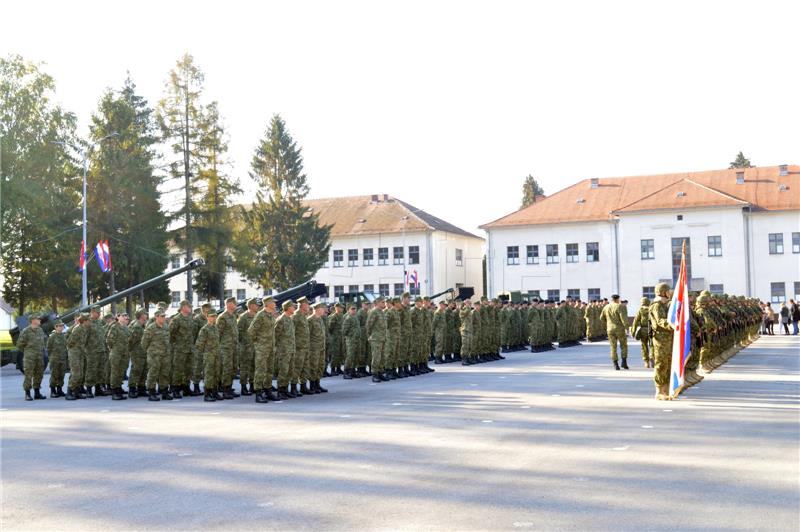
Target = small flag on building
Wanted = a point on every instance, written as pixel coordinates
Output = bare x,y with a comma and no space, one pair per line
679,316
103,254
415,278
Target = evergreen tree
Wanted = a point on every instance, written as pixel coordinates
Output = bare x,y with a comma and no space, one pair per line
40,186
281,243
741,162
530,191
124,197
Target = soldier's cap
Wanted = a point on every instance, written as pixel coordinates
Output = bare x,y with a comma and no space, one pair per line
406,294
108,316
351,306
484,298
615,296
286,304
35,316
662,288
320,305
205,306
644,301
162,304
184,303
252,301
477,302
160,312
302,299
57,323
212,313
84,316
443,302
459,300
140,312
230,300
266,300
122,314
337,304
624,301
94,308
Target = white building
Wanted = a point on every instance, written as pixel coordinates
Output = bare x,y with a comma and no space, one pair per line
624,235
379,244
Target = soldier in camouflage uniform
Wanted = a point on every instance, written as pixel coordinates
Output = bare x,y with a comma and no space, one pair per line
155,342
405,346
117,339
181,334
465,316
105,385
228,346
137,378
416,337
300,367
662,333
455,343
363,353
284,349
316,345
262,335
391,345
246,351
76,349
616,328
477,332
32,342
440,332
335,340
641,331
57,357
95,353
207,344
376,332
351,330
200,319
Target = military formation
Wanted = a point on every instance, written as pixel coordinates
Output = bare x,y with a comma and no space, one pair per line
284,354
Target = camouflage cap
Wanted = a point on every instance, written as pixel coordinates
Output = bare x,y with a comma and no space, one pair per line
644,301
160,312
57,323
35,316
205,306
705,293
703,299
230,300
266,300
162,304
302,299
286,304
212,312
337,304
351,306
140,312
406,294
320,305
252,301
94,308
108,316
662,289
83,316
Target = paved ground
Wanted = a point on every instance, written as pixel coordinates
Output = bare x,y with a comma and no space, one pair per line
539,441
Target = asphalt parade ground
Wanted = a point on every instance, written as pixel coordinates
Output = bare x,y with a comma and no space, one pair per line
546,441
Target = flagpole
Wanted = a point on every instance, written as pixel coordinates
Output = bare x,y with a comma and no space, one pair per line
84,296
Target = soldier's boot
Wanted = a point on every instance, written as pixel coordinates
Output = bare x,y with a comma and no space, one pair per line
133,392
616,365
227,393
296,389
217,394
304,389
38,395
438,360
117,394
153,395
320,389
662,393
271,395
498,356
625,363
196,389
233,392
88,392
385,376
430,369
53,392
209,396
348,373
313,389
327,373
391,374
70,395
166,395
245,390
28,395
175,391
80,392
100,390
261,396
361,372
376,377
465,362
60,391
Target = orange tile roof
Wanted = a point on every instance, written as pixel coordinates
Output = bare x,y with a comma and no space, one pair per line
363,215
717,188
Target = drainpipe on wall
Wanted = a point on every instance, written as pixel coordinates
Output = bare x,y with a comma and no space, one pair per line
489,284
429,245
746,220
615,226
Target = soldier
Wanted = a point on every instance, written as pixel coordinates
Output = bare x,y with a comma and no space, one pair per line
284,349
616,328
390,346
363,352
117,339
108,320
641,330
351,330
207,344
136,379
661,330
200,319
155,342
477,332
181,334
708,325
455,336
300,369
439,332
262,336
404,346
335,322
95,354
246,351
316,346
76,346
427,334
416,337
32,342
376,331
57,356
394,330
465,319
228,346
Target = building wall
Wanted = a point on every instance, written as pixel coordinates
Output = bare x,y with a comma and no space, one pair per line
447,272
769,268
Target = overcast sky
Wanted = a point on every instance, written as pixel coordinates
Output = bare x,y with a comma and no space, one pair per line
449,105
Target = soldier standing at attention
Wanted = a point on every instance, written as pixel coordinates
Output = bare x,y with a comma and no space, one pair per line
262,335
405,348
439,332
465,328
136,379
616,327
181,335
300,369
394,330
416,337
57,356
155,342
316,345
351,330
76,346
662,341
376,330
246,352
200,319
95,352
335,322
105,382
393,320
284,349
228,345
641,330
207,344
117,340
363,350
32,342
477,334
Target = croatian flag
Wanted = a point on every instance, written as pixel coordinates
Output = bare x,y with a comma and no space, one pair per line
82,259
678,316
414,278
103,254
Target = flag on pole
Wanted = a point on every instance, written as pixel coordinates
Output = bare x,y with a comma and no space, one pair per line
103,254
82,259
679,316
415,278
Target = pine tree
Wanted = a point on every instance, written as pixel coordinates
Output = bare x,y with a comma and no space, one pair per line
741,162
40,187
124,197
530,191
281,243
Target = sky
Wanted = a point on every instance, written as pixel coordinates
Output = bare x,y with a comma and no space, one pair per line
449,105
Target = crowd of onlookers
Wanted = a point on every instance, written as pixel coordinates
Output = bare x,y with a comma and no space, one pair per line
786,315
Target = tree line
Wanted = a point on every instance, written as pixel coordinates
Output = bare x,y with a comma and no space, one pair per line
139,156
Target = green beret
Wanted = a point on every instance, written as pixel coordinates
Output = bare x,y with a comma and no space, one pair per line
302,299
252,301
230,300
286,304
266,300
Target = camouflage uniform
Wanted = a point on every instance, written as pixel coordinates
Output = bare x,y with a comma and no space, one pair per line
117,339
284,349
465,316
228,345
363,351
95,353
439,333
138,355
155,342
76,346
351,330
641,329
300,368
662,342
616,328
262,335
246,350
391,349
335,338
181,334
57,357
376,330
316,346
32,343
207,345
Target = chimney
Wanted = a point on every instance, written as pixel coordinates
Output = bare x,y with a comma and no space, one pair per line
784,169
374,198
740,178
594,183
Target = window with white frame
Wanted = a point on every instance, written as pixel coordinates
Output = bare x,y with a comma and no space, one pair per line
227,293
413,254
593,294
352,289
413,289
383,289
648,249
795,242
241,294
715,246
649,292
716,289
554,295
338,290
777,292
397,255
574,293
512,255
592,252
338,258
398,289
776,243
176,299
532,254
369,288
176,262
459,257
352,258
366,253
383,256
572,252
552,254
533,294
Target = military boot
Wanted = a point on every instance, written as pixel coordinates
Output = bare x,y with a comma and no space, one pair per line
227,393
662,393
80,393
153,395
376,378
175,392
430,369
233,392
304,389
196,389
296,390
348,373
245,390
166,395
70,396
261,396
88,392
616,365
53,392
38,395
117,394
391,374
625,363
60,391
28,395
133,392
500,357
100,390
283,393
271,395
209,396
217,394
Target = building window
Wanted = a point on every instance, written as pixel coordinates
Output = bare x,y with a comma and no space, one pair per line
796,291
554,295
648,249
533,294
593,294
459,257
338,258
776,243
399,288
649,292
715,246
795,242
383,256
176,262
397,255
227,293
241,295
778,292
383,290
338,291
367,253
552,254
369,288
229,264
352,258
176,299
572,252
592,252
532,254
413,254
574,293
413,289
512,255
352,289
716,289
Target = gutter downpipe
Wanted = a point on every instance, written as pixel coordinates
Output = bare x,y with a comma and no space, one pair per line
489,268
746,218
615,227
